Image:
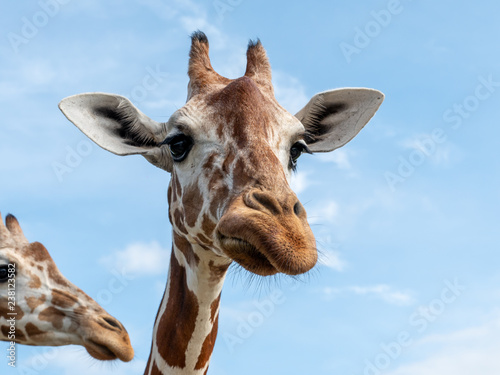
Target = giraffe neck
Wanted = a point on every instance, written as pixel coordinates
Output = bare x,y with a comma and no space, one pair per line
186,324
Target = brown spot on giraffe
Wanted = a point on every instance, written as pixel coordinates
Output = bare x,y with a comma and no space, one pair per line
217,272
207,225
204,240
216,179
20,336
192,201
178,187
56,276
209,342
214,308
228,161
176,332
32,330
63,299
34,302
186,249
38,252
53,316
244,176
5,330
179,221
208,346
209,163
35,282
5,310
81,310
154,369
220,194
170,194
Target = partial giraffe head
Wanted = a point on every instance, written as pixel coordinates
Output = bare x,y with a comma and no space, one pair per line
47,309
231,150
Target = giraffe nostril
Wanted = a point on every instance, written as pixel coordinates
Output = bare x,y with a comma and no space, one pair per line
266,201
112,322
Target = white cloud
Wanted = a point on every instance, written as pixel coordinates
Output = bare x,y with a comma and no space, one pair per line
139,259
440,154
191,23
469,351
162,9
337,157
386,293
435,48
326,213
38,72
233,64
301,181
331,259
380,291
328,252
289,92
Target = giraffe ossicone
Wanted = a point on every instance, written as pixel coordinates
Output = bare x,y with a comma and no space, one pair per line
231,150
39,306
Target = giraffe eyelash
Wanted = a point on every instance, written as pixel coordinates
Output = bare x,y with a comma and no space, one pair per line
296,150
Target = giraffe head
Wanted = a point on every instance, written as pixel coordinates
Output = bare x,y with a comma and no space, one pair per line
231,150
46,307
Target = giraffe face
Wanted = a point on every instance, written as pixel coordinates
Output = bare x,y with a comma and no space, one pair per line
230,188
49,310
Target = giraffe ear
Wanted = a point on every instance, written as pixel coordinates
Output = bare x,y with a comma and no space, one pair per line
116,125
332,118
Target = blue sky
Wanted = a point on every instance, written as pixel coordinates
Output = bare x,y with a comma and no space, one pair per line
406,215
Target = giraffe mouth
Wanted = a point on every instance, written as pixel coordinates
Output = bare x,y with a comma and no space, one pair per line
99,351
266,244
247,255
103,352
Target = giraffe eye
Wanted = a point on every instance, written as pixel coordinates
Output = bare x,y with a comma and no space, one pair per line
297,149
179,146
4,274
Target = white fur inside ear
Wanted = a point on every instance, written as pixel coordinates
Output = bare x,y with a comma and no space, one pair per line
116,125
96,115
332,118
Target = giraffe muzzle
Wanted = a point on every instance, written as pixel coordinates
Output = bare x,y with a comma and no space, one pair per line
109,344
267,235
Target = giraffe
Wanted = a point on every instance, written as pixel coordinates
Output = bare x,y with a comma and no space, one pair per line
39,306
230,150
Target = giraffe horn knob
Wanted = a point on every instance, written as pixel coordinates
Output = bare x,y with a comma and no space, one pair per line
200,71
4,233
15,228
258,66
